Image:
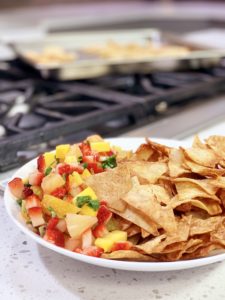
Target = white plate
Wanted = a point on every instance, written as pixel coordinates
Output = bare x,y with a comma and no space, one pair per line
127,143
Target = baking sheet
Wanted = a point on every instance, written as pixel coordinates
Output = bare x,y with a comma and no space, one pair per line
89,66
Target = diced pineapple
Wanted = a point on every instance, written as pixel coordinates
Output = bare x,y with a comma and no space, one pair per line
88,211
52,182
24,211
77,224
61,151
85,174
49,158
60,207
75,150
37,190
25,180
94,138
104,243
77,178
100,146
70,159
108,241
87,192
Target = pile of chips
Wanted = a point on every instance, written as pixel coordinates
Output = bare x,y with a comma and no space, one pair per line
171,201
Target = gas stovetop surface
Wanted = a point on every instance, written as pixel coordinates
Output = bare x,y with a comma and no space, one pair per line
37,114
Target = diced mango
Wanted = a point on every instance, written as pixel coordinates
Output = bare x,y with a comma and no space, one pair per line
100,146
70,159
49,158
104,243
88,211
108,241
60,207
61,151
87,192
85,174
117,235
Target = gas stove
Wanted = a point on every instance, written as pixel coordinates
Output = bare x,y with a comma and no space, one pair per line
37,114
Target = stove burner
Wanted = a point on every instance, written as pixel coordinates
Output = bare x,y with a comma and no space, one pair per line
36,114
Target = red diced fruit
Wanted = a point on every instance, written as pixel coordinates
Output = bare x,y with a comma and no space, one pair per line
85,149
104,214
121,246
35,178
64,169
93,251
95,168
16,187
55,237
59,192
35,214
32,201
78,250
61,226
99,231
87,239
52,223
103,202
27,191
41,164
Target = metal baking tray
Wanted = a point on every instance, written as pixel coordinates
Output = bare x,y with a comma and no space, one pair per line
89,66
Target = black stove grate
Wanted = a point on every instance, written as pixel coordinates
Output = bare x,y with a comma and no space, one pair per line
36,114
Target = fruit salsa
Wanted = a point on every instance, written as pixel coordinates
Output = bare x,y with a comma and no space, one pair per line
155,204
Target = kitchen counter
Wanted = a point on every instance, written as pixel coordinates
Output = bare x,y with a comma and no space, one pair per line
32,272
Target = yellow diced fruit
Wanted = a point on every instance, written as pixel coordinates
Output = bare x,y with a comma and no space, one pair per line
117,148
37,190
95,138
100,146
85,174
77,178
70,159
60,207
25,180
75,150
88,211
117,235
87,192
77,224
107,241
61,151
104,243
49,158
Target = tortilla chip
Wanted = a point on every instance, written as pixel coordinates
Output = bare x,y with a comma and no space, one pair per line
175,164
217,144
111,186
144,233
204,171
201,226
133,230
203,157
144,152
165,150
128,255
144,200
205,184
132,215
197,143
190,190
147,172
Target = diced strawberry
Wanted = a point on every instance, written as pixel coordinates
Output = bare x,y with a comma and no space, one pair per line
27,191
87,239
103,202
99,231
16,187
78,250
41,164
59,192
52,223
78,169
104,214
61,226
90,158
64,169
72,244
85,149
107,153
121,246
35,178
95,168
32,201
55,237
69,198
93,251
35,214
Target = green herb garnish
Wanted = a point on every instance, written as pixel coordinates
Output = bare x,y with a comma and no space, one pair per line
85,165
109,162
94,204
48,171
81,200
79,159
53,213
19,201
